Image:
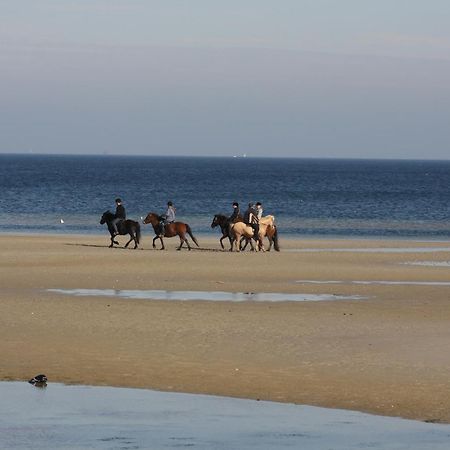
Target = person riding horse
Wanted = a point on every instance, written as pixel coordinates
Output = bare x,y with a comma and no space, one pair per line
236,213
251,218
119,216
168,217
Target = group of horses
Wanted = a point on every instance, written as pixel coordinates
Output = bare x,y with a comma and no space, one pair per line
239,234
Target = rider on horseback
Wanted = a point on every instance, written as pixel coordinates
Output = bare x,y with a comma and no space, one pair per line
235,213
119,216
251,218
167,218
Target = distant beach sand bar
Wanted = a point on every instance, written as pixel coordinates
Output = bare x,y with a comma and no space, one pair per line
381,348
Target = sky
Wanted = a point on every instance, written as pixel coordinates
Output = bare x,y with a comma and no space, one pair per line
302,78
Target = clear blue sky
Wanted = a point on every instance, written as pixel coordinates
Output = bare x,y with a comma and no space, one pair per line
326,78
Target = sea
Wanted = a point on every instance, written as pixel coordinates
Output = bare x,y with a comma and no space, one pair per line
309,197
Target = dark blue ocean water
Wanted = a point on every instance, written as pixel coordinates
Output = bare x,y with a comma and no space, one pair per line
348,198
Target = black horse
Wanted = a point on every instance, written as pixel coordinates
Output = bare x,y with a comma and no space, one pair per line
224,223
124,227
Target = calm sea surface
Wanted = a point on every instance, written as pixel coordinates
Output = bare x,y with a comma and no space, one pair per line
351,198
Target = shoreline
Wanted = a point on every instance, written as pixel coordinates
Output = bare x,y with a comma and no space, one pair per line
384,355
215,235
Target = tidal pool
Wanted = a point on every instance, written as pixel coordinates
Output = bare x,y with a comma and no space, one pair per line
81,417
205,295
428,263
378,282
371,250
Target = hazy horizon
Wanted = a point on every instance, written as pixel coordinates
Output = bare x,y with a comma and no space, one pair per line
305,79
146,155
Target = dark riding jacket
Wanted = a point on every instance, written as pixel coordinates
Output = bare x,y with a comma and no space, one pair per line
235,215
254,216
120,212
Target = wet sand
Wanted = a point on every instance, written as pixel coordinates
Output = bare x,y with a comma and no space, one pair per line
387,354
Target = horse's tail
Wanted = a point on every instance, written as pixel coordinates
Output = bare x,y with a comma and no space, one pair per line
189,231
276,245
138,232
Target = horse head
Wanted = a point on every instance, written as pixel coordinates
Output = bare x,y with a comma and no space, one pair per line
107,216
218,220
152,218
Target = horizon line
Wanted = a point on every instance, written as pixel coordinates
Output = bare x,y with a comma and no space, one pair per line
237,156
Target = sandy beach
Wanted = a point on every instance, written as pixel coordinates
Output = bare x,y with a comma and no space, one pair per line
386,353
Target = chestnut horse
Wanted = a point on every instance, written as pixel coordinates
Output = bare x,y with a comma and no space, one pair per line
124,227
171,229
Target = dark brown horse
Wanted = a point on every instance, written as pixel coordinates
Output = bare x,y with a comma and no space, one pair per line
125,227
223,222
171,229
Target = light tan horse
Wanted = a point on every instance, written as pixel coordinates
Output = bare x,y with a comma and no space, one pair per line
238,231
267,228
267,220
270,231
241,230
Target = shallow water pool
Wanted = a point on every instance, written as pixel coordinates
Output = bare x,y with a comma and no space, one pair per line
82,417
219,296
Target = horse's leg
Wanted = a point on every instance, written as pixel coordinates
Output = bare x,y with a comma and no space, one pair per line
183,240
231,240
131,239
153,243
261,245
246,243
112,242
221,239
183,235
270,243
162,243
134,237
237,243
187,243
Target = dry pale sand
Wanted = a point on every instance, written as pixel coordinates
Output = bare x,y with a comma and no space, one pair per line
388,354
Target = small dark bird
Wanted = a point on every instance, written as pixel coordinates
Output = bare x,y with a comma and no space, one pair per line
38,380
